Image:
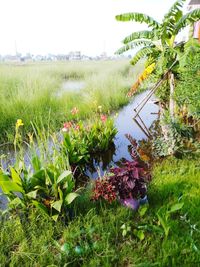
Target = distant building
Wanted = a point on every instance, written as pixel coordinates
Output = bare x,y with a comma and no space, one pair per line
12,58
75,55
194,4
61,57
103,56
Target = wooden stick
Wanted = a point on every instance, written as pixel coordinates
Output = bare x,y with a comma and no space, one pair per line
145,127
141,127
135,109
148,96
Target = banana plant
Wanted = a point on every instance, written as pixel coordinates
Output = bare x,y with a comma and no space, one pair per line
158,44
48,189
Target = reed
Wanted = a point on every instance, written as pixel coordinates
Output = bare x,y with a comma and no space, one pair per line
29,91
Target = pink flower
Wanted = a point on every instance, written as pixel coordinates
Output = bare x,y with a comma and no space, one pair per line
103,118
74,111
77,127
66,126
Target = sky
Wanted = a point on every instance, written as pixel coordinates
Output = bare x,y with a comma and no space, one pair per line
61,26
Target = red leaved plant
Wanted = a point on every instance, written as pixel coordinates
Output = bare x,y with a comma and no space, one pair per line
104,190
127,181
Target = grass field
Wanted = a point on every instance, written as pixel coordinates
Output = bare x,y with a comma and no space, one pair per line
29,91
165,234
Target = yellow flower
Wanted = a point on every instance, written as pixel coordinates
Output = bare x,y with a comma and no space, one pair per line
100,108
19,123
30,135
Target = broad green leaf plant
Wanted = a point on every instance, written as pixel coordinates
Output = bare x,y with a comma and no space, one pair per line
48,185
48,189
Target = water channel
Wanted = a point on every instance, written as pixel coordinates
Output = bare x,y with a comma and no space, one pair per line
126,125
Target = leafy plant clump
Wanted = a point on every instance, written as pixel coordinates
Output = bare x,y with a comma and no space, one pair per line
47,189
129,180
80,140
44,182
179,140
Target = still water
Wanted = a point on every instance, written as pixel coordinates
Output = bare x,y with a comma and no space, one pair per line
125,125
70,86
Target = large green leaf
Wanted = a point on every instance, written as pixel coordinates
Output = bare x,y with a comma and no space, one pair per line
70,198
15,176
139,17
67,140
187,19
176,207
139,35
57,205
174,10
133,45
55,217
3,176
144,52
38,178
68,186
32,194
36,163
50,179
8,185
63,176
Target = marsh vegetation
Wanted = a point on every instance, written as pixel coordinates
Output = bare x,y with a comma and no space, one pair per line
32,92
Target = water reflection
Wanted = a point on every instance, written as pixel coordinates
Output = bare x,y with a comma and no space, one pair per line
99,163
125,123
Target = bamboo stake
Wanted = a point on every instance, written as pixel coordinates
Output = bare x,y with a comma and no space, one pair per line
135,109
135,120
145,127
148,96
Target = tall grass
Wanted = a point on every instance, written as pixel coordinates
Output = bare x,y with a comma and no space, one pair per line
29,92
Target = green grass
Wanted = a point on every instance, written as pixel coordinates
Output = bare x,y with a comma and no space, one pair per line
29,92
94,237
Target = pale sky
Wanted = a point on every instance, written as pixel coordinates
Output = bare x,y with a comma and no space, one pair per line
61,26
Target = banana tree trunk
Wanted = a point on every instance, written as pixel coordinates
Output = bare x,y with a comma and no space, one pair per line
171,97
